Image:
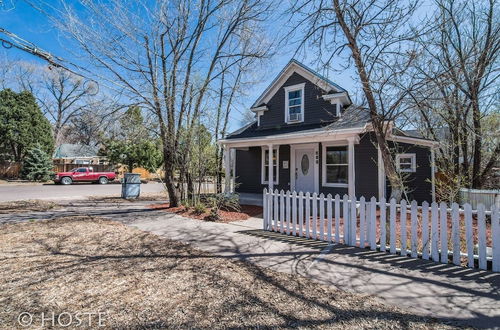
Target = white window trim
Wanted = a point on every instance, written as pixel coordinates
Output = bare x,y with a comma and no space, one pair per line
292,89
413,158
323,165
263,168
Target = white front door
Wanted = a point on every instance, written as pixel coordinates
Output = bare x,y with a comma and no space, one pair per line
304,170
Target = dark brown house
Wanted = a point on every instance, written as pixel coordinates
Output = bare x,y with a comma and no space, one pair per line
320,142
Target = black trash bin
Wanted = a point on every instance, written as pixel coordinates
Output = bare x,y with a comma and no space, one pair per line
131,185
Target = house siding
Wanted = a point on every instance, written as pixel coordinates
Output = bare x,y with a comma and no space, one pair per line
248,170
316,110
419,186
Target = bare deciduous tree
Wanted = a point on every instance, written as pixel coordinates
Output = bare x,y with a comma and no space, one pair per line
459,69
166,55
375,37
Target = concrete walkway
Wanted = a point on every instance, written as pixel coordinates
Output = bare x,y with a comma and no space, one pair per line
466,296
459,294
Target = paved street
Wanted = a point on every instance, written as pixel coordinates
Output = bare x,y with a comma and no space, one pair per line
9,192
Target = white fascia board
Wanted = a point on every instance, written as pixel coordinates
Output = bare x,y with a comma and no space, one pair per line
328,135
285,74
411,140
343,97
259,109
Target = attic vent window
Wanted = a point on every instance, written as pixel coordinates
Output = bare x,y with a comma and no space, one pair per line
294,103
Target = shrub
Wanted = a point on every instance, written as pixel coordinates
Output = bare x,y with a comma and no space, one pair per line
187,203
37,165
199,208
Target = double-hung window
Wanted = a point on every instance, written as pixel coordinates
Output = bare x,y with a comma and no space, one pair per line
265,166
406,162
335,166
294,103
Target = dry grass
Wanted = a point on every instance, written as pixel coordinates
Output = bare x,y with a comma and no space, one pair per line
141,280
26,206
144,197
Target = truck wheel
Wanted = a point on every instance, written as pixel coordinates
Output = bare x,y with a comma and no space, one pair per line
103,180
66,180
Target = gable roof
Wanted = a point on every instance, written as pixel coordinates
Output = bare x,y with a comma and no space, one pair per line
67,150
303,70
354,117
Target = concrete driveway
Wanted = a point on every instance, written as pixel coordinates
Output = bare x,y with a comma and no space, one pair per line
11,192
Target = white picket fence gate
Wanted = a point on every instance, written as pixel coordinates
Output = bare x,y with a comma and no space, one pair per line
433,232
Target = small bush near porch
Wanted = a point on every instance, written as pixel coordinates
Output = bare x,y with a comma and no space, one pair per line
140,280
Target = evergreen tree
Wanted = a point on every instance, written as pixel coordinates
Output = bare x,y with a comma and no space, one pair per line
37,165
132,145
22,126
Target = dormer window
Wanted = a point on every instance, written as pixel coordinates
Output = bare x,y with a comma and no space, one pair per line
294,103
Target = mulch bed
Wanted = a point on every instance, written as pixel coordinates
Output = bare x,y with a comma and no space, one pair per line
139,280
247,211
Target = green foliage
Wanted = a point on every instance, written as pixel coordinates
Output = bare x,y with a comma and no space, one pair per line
199,208
37,165
216,202
132,145
22,126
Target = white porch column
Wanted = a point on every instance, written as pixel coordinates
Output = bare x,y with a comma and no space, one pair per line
351,172
227,167
381,174
433,173
271,177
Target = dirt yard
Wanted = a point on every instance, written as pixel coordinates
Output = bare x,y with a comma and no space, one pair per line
139,280
26,206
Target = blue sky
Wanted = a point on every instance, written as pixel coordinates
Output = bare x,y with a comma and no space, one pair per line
20,18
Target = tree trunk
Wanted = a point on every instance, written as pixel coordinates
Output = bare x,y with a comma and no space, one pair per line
477,156
169,177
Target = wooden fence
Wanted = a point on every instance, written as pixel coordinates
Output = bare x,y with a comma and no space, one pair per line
432,232
480,196
96,167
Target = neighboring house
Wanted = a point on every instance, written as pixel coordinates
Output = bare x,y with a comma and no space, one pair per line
320,143
78,154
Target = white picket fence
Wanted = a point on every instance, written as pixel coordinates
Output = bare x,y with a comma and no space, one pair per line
433,232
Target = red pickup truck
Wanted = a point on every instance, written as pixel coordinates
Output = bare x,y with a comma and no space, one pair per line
84,174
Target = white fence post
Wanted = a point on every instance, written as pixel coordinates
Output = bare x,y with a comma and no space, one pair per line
443,211
345,209
282,210
392,225
495,238
362,222
402,220
294,213
308,214
383,224
322,217
434,232
276,211
373,223
425,231
264,210
469,235
414,237
481,232
315,215
353,222
329,217
288,216
301,214
455,233
337,218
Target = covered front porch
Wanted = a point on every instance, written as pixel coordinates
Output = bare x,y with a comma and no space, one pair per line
323,163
